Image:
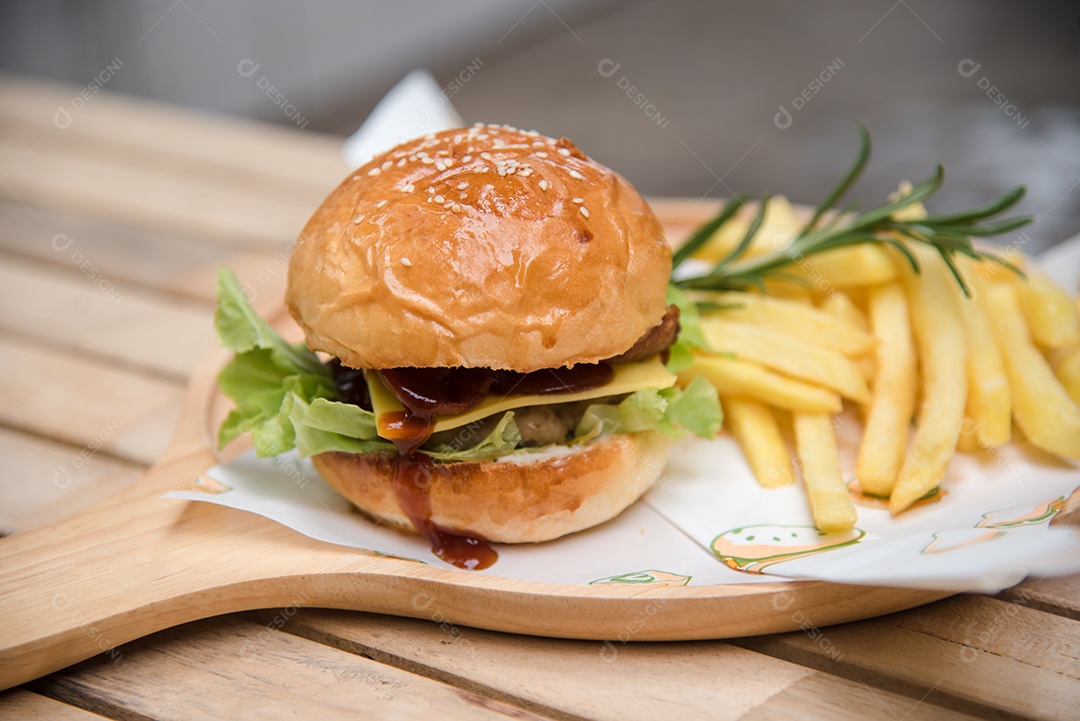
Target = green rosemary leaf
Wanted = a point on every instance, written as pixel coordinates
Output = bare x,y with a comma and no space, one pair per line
830,201
706,231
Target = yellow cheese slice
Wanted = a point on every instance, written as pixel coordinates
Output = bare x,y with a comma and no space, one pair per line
629,377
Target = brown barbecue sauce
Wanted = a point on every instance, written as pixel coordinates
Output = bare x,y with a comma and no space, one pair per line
427,392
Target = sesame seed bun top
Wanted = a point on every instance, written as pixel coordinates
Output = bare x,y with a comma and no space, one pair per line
480,247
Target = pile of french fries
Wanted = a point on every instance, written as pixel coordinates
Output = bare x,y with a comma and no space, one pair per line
930,370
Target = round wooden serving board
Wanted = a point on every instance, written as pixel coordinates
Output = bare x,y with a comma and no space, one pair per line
140,563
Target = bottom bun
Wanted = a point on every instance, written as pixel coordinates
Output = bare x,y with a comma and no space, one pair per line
521,498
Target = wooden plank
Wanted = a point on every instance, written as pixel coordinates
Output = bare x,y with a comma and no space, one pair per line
142,196
78,308
988,663
45,481
173,136
820,696
597,680
151,259
86,403
20,704
159,260
230,668
983,624
1059,595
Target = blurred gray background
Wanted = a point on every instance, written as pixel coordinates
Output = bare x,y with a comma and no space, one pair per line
689,98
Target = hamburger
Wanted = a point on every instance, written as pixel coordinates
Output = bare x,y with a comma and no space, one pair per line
490,309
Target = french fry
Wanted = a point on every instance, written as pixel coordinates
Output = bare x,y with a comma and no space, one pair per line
839,304
739,378
942,349
1066,365
755,428
989,404
797,320
777,229
1042,407
982,271
892,404
786,355
1051,314
968,442
830,501
856,265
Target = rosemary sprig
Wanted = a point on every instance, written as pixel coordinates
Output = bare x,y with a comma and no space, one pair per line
950,235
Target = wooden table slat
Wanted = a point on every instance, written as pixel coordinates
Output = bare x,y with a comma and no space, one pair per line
231,668
988,658
1058,595
79,311
25,705
86,403
163,134
606,681
132,194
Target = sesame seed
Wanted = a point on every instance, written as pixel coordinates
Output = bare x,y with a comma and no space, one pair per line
564,152
387,165
584,211
426,161
373,172
440,165
576,174
401,163
462,185
541,154
463,195
466,159
358,218
485,155
381,203
579,201
408,188
356,177
456,208
543,185
406,262
430,190
439,199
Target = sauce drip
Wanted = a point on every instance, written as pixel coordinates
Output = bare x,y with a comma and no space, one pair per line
427,392
412,486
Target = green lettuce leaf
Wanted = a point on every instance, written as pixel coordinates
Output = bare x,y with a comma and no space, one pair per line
681,354
502,440
323,426
239,328
695,408
671,411
264,375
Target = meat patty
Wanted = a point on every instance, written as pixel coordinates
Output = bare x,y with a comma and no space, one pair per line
655,341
